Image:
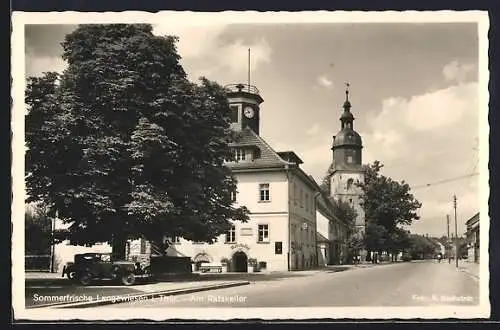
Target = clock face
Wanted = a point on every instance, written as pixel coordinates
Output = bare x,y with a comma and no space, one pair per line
248,111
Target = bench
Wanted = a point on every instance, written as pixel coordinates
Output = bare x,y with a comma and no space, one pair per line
211,269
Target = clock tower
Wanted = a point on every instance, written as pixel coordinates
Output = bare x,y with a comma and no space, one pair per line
244,102
346,171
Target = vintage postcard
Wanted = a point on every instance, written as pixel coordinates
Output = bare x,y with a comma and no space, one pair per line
246,165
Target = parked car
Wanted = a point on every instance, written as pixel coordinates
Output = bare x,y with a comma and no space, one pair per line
88,267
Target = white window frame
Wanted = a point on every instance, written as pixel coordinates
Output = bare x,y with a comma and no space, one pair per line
264,228
262,189
231,235
240,154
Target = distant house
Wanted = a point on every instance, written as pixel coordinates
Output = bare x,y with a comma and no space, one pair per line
472,235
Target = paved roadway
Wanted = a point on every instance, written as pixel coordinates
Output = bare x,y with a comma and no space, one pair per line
403,284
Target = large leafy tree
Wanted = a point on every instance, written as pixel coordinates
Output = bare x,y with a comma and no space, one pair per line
122,145
387,202
389,205
422,247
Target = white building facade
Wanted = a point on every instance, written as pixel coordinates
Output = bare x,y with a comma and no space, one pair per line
281,232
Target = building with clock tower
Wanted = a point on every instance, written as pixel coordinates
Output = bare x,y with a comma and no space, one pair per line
346,170
244,102
280,234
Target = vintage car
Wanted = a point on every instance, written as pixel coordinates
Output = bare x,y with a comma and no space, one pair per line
88,267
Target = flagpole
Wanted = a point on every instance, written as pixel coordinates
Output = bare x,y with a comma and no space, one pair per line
248,69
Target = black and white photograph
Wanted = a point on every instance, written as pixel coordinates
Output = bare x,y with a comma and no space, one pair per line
240,165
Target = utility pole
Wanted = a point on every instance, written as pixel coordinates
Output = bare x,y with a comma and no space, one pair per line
456,230
448,252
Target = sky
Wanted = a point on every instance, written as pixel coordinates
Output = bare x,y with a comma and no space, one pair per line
413,88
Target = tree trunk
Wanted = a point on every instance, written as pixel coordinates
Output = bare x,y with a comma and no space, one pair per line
118,247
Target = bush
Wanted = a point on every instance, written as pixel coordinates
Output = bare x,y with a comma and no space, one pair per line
406,257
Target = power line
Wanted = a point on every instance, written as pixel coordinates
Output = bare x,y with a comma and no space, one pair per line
445,181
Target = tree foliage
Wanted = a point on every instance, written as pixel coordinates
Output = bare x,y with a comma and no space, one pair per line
37,231
389,206
387,202
422,247
122,145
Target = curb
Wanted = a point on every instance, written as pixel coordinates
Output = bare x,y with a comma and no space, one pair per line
140,296
465,270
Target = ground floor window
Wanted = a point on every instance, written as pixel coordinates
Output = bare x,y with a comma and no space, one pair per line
262,265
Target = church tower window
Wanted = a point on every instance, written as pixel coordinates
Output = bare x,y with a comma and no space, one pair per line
234,113
349,183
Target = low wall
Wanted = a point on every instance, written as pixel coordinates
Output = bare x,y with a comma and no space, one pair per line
171,265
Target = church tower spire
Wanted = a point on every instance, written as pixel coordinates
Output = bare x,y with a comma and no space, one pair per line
347,117
346,169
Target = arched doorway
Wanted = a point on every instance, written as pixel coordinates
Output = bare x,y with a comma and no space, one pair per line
201,258
239,262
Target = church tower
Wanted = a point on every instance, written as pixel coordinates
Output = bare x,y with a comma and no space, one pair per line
346,170
244,102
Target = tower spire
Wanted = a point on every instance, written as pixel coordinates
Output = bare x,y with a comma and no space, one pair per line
347,104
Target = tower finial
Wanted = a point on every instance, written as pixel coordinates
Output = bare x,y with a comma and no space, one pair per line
347,91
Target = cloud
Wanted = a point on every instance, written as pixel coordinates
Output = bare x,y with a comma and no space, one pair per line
325,82
313,130
457,72
422,139
36,65
205,51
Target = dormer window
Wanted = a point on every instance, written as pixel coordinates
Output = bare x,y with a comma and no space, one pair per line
239,154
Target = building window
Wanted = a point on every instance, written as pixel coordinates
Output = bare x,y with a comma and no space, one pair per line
307,202
239,154
143,245
262,265
349,159
233,195
350,200
263,233
264,192
301,198
231,235
278,248
350,181
234,113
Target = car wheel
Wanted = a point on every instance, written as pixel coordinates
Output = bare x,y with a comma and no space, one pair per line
71,275
85,278
128,279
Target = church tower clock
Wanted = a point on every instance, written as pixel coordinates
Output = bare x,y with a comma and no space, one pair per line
244,102
346,170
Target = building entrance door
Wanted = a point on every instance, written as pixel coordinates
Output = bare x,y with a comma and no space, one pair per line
240,262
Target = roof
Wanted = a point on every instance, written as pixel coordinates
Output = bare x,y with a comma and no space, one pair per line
473,220
347,136
290,156
320,238
267,157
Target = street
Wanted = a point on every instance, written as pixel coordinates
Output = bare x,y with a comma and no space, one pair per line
403,284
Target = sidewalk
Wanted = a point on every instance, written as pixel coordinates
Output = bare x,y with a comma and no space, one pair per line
471,268
41,275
